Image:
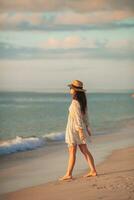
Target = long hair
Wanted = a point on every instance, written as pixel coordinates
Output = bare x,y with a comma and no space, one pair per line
80,96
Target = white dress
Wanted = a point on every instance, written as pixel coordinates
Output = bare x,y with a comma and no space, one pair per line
75,121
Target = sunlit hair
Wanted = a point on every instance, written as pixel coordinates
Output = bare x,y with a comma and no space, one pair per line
80,96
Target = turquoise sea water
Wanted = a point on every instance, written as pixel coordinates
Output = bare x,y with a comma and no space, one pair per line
30,120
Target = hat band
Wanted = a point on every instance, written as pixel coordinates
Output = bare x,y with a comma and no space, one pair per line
76,86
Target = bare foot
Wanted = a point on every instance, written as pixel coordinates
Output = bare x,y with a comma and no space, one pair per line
90,174
66,177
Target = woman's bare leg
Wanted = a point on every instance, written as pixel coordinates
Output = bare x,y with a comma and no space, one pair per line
89,159
71,162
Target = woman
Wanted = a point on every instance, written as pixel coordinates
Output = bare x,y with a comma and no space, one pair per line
77,129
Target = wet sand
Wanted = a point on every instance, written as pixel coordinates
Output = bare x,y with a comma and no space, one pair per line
115,180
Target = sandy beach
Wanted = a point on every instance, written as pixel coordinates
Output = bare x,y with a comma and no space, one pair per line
115,180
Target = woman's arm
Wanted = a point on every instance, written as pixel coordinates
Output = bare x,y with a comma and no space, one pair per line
88,130
86,120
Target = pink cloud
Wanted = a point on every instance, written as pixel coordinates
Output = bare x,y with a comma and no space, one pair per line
92,17
67,42
120,44
62,18
79,42
71,18
53,5
19,17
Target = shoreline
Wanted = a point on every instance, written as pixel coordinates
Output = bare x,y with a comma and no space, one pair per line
115,180
43,165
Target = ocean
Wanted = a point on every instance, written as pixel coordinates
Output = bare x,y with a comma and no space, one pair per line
31,120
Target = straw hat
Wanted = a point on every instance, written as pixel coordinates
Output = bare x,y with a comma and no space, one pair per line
77,85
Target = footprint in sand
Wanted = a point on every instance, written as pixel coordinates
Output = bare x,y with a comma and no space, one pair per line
94,185
101,187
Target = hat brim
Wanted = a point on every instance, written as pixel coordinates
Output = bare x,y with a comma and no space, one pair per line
77,89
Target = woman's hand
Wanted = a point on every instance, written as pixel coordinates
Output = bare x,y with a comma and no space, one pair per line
89,131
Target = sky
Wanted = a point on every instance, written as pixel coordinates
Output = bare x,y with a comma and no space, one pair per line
44,45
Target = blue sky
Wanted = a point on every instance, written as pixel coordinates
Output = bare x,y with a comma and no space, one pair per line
57,42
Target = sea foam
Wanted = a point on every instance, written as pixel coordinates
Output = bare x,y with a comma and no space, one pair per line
28,143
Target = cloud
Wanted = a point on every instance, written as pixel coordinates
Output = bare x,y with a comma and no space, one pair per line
121,44
33,19
75,42
70,47
67,42
76,5
71,42
12,20
74,18
65,20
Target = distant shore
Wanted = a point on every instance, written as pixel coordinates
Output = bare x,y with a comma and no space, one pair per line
115,181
